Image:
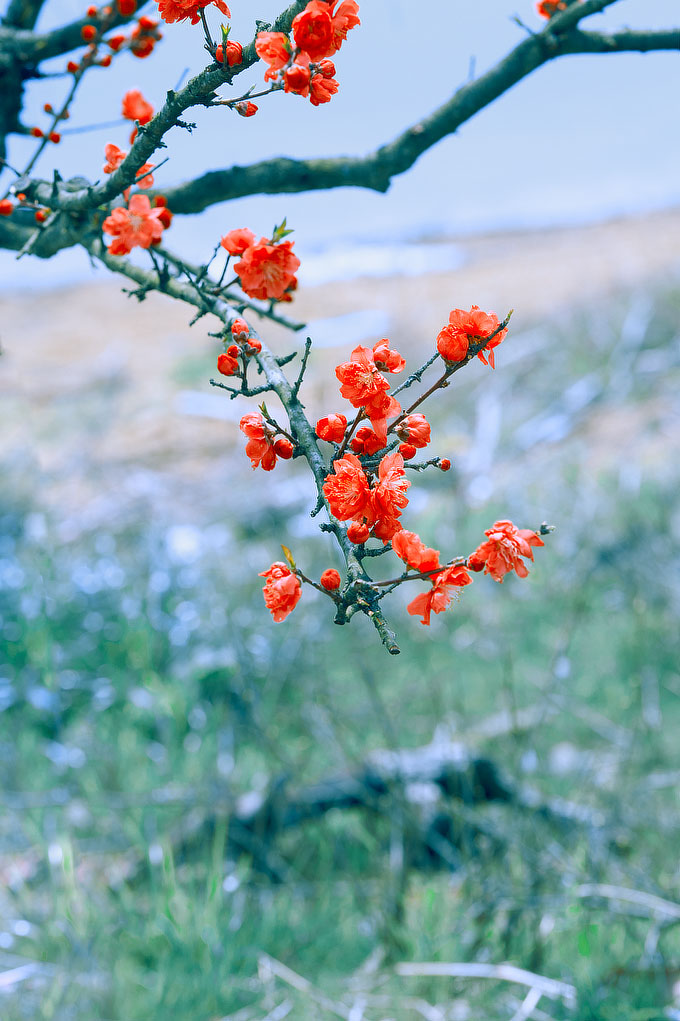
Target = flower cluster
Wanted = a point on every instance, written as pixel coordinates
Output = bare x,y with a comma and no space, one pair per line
464,328
373,510
267,267
262,447
365,387
243,346
302,65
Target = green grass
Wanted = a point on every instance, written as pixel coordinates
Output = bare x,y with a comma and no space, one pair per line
139,688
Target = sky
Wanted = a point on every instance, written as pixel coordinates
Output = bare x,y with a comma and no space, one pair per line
581,139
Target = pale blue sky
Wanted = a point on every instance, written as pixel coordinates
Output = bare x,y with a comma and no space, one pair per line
582,138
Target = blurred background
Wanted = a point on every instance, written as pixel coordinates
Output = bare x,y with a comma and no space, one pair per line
209,816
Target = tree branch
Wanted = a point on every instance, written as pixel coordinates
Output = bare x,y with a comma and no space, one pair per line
376,170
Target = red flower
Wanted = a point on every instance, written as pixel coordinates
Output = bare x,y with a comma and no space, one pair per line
114,157
137,226
445,464
136,108
297,77
453,341
407,451
389,496
275,49
439,596
347,491
236,241
366,441
267,270
358,532
409,547
386,528
387,360
282,590
360,378
503,551
259,447
343,20
364,387
414,429
547,8
181,10
227,365
284,448
234,53
330,579
322,89
6,207
313,30
332,428
144,37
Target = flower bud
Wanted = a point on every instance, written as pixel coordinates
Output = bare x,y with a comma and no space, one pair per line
6,207
234,53
246,109
88,32
284,448
407,450
330,579
358,532
226,365
445,464
126,6
239,327
233,351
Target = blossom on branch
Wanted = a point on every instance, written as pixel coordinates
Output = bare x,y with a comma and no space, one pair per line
414,429
410,548
548,8
282,590
440,595
453,341
330,579
347,490
236,241
136,108
503,551
183,10
259,447
332,428
365,387
138,225
267,270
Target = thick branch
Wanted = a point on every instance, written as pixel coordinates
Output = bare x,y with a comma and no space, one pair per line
376,170
23,13
31,47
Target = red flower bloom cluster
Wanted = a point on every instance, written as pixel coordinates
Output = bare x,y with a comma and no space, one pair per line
453,340
183,10
114,158
266,268
351,497
262,448
332,428
302,65
144,37
440,595
503,551
137,226
365,387
282,590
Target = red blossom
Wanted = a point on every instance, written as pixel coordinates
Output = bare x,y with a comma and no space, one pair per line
366,442
412,550
322,89
330,579
386,359
313,30
439,596
407,451
358,532
332,428
389,495
181,10
136,108
347,490
297,77
114,157
453,340
503,551
227,364
275,49
137,226
344,18
266,270
259,447
414,429
236,241
282,590
548,8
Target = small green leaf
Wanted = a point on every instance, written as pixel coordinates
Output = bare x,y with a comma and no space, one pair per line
289,557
